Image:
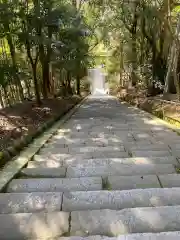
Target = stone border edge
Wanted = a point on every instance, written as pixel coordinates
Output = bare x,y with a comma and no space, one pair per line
12,168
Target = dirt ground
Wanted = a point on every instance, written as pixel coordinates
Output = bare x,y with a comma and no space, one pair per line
168,105
24,118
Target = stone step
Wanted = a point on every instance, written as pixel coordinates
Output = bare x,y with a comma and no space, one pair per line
137,143
98,169
176,153
96,154
89,149
55,184
116,200
119,170
101,161
54,156
136,236
132,160
132,182
30,202
61,140
133,220
148,147
67,156
48,158
33,225
150,153
175,146
170,180
45,164
42,172
85,149
86,142
91,200
51,150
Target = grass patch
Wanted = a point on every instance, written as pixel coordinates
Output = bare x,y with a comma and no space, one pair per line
106,184
178,170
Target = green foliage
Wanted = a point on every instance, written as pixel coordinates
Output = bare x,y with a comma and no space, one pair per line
137,36
37,38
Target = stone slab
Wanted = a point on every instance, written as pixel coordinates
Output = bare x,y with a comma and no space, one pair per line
120,170
33,225
89,149
175,146
30,202
79,149
176,153
133,182
170,180
150,153
137,143
64,141
60,156
132,160
61,159
86,142
166,134
45,164
142,135
138,236
98,154
126,221
110,154
53,150
44,172
116,200
55,185
149,147
47,157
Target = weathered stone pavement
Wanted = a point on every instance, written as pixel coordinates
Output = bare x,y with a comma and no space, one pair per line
111,173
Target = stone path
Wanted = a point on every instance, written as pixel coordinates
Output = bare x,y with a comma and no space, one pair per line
111,171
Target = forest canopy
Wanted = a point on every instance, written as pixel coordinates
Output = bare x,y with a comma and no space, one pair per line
47,46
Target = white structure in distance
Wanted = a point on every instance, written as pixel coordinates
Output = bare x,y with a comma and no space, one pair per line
98,83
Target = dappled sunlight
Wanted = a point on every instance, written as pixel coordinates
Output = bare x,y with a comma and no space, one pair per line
64,131
152,219
30,202
88,149
49,163
34,226
47,156
135,160
89,137
152,122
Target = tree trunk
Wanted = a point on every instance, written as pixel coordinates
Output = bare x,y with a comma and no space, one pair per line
12,93
36,88
169,83
121,65
176,75
45,70
1,100
28,88
134,61
45,60
172,61
69,89
13,56
6,96
78,81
